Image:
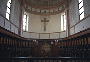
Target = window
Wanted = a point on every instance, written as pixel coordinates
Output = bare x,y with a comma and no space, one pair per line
81,9
25,22
8,9
63,21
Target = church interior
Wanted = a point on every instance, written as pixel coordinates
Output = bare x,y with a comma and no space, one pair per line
44,30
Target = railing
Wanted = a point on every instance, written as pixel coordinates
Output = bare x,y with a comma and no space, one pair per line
53,35
8,24
72,48
12,44
41,59
77,45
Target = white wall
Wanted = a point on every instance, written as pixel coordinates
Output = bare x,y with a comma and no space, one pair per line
12,24
74,17
36,26
44,35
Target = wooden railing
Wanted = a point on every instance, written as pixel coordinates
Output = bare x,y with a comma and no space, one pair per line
7,24
12,44
77,45
16,47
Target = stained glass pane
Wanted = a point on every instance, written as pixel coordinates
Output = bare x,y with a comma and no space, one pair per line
64,22
81,4
82,16
80,1
7,16
8,10
61,22
8,4
9,1
25,22
81,10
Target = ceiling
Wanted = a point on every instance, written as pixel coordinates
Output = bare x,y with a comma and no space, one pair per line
45,7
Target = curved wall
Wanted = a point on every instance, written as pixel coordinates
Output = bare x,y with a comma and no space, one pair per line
36,27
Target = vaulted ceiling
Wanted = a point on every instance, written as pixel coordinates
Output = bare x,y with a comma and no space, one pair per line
45,7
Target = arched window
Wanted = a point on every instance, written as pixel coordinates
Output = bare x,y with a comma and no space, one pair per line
81,9
63,21
8,9
25,22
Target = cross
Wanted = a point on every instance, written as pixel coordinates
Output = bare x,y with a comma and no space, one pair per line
44,21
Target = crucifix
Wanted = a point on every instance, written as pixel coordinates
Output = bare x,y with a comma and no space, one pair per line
44,21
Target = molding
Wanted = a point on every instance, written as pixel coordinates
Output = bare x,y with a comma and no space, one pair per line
44,33
45,14
86,31
9,33
57,5
9,21
80,21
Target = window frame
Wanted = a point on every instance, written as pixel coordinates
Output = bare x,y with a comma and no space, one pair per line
63,21
79,8
25,20
8,8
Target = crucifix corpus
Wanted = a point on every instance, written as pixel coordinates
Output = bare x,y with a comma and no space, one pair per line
44,22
